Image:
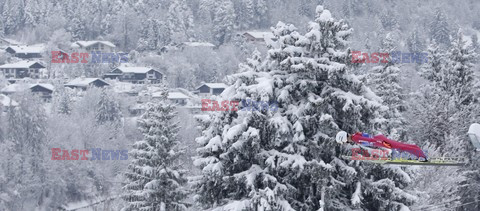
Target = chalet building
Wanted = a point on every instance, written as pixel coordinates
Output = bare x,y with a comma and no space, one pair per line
94,45
26,51
209,89
136,75
22,69
258,36
43,90
84,83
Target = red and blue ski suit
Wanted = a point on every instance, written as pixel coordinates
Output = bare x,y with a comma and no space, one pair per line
380,141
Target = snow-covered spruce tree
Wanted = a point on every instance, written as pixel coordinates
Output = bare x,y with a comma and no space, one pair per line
180,21
414,42
26,133
149,37
253,63
154,178
430,125
223,21
444,112
384,80
439,30
108,108
62,100
452,81
286,158
463,111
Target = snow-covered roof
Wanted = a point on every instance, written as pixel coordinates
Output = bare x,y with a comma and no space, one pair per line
11,41
12,88
44,85
20,64
214,85
131,69
84,44
38,48
260,35
177,95
171,95
83,82
199,44
6,101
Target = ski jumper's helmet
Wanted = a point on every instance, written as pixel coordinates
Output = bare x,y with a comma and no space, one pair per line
341,137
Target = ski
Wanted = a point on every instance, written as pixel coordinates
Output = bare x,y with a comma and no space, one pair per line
440,161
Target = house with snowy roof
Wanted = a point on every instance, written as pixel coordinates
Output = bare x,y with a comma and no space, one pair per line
259,36
135,74
84,83
22,69
209,89
44,90
94,45
26,51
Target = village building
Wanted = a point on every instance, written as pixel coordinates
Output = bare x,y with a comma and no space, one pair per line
26,51
136,75
94,45
209,89
84,83
22,69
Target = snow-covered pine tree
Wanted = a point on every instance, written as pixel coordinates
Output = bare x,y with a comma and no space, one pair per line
384,80
245,17
155,177
463,111
2,28
261,15
27,136
429,104
108,108
286,159
62,99
414,43
474,42
439,30
452,81
223,21
461,58
180,21
253,63
12,15
444,110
